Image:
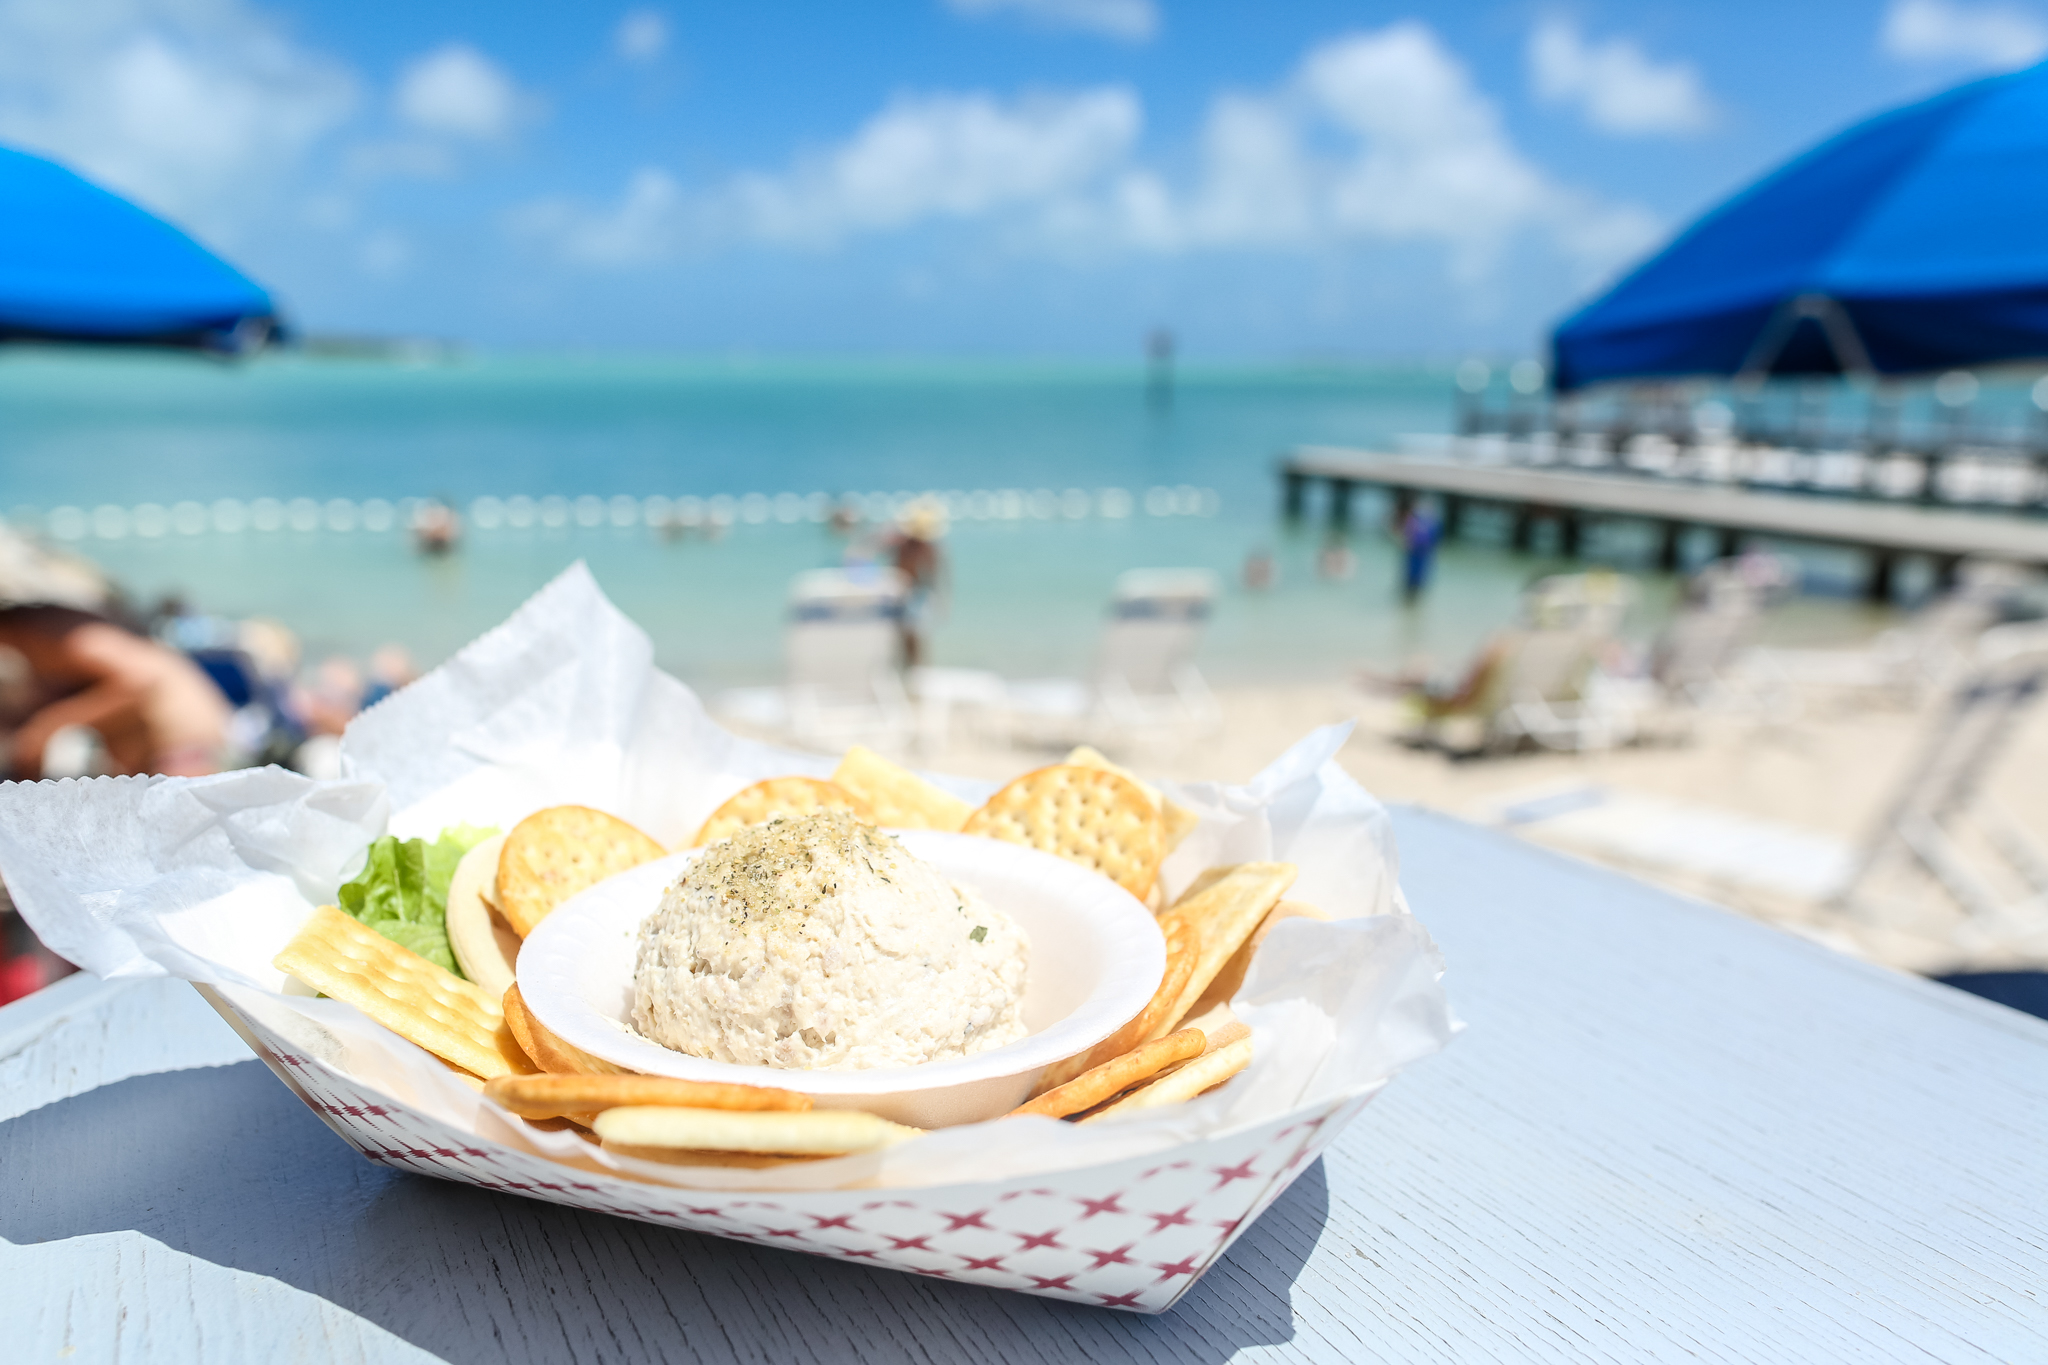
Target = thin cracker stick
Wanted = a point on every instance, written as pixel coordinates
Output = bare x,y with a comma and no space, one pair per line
548,1095
1219,1026
898,797
819,1132
1223,909
1204,1073
1147,1024
549,1050
1115,1076
414,998
680,1156
1231,975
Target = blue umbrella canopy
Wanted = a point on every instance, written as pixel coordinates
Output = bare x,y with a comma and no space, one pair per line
80,264
1915,241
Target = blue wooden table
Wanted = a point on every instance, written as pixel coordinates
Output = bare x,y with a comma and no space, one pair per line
1669,1134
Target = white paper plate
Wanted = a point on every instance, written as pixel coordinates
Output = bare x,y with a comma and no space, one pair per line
1096,958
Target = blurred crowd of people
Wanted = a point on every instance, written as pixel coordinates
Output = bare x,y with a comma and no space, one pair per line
90,687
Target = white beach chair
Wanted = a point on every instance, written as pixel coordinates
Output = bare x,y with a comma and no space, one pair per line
1144,688
1646,833
1908,664
1939,828
1941,823
1698,658
1542,686
1596,602
1544,683
1551,692
841,683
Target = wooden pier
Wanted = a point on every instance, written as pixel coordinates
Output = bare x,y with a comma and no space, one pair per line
1886,532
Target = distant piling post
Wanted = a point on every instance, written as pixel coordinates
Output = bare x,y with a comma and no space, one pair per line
1473,377
1523,534
1159,367
1340,504
1294,497
1671,546
1569,527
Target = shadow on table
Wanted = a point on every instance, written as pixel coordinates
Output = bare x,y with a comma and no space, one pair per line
2026,991
224,1164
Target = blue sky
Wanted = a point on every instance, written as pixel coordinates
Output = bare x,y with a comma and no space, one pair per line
976,177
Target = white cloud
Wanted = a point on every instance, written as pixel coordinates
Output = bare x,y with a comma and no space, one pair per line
642,35
1619,87
649,223
1944,31
1132,21
385,254
197,108
456,89
1377,136
944,156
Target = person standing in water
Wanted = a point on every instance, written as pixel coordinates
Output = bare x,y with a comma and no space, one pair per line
1419,531
915,553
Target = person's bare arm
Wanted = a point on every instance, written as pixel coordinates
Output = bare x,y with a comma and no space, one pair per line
112,707
120,670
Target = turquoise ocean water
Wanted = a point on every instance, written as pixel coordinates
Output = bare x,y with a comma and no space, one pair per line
148,463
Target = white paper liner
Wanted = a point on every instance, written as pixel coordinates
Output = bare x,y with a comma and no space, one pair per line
207,878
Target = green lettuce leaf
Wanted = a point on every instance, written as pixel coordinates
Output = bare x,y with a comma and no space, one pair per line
402,891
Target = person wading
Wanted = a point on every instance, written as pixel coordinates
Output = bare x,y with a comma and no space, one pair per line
914,551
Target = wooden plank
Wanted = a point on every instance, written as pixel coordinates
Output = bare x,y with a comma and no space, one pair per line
1668,1134
83,1032
1837,521
175,1307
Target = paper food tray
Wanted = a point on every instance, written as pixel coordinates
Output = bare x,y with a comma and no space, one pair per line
207,878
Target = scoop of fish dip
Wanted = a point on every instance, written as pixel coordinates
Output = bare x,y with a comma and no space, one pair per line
822,943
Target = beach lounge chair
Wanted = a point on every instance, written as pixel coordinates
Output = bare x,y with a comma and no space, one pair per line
1939,827
841,683
1698,659
1529,685
1541,681
1597,602
1144,688
1908,664
1942,824
1727,850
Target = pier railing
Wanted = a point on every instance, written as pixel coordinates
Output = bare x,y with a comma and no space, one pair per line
1949,441
1569,500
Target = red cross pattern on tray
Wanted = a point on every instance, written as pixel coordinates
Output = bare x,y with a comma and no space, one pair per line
1133,1235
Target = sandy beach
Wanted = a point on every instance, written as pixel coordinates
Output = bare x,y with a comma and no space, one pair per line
1831,775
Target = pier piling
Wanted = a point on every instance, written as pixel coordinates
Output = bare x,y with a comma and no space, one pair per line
1671,547
1340,504
1523,533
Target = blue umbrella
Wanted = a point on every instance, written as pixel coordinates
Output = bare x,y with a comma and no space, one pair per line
80,264
1915,241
